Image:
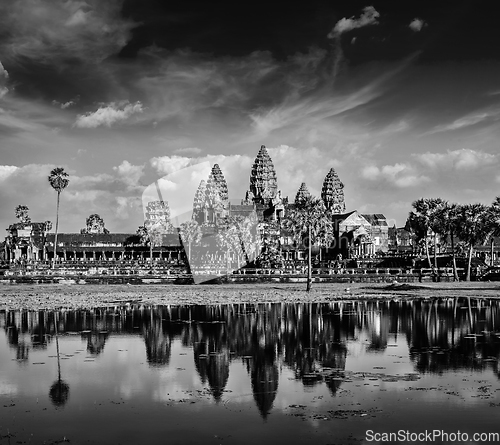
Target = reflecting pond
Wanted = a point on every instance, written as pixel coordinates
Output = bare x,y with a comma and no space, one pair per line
337,372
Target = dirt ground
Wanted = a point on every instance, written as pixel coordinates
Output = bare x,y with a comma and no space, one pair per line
74,296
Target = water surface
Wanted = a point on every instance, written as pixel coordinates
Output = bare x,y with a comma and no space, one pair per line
242,373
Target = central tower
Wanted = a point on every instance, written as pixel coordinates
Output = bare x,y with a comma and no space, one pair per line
263,182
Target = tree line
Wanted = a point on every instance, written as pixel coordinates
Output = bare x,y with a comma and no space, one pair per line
462,226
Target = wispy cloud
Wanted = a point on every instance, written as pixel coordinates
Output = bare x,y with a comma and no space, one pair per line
108,115
188,151
322,103
491,114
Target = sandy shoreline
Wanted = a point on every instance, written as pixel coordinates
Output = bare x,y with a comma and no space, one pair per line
51,296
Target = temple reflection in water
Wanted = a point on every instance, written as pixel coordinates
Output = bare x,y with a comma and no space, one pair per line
314,341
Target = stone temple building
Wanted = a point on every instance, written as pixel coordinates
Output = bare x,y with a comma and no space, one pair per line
355,234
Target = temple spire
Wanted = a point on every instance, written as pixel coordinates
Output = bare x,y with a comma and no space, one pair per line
333,192
302,194
199,200
216,189
263,181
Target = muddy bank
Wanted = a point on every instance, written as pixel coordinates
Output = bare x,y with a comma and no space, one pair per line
34,297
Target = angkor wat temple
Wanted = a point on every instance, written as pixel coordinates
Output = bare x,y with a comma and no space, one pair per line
211,201
356,234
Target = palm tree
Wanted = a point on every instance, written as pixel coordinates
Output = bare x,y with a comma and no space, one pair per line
424,220
190,233
446,227
312,218
494,216
474,227
58,180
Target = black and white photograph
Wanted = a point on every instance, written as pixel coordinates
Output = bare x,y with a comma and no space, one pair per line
240,223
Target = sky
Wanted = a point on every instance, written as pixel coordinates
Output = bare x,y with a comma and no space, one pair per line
402,98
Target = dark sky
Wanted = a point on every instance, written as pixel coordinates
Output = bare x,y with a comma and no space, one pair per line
461,30
401,97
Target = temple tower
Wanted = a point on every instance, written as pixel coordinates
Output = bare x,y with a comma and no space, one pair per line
199,201
333,192
211,199
216,190
263,182
302,194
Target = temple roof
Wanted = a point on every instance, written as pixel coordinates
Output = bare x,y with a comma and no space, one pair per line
375,219
76,239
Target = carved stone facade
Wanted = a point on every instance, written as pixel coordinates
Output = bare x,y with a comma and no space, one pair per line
332,192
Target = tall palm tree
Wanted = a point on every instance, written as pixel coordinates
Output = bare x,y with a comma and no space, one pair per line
310,218
494,216
58,180
474,227
423,221
446,227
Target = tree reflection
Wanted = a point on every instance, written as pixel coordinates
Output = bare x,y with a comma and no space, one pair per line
59,391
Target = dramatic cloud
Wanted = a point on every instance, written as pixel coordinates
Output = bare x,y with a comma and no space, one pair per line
416,24
58,31
463,159
108,114
4,75
368,17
